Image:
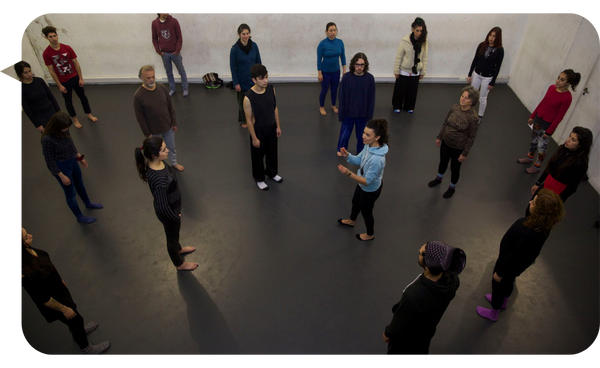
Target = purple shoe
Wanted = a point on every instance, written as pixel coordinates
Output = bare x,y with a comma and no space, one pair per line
491,314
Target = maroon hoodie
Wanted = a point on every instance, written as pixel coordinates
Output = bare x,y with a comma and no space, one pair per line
166,36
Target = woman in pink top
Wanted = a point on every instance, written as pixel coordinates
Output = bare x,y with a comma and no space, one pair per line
547,115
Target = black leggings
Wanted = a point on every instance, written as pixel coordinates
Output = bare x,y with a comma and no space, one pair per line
363,202
501,290
448,153
172,232
77,328
70,85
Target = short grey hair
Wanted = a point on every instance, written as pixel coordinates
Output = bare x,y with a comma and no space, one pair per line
145,68
473,94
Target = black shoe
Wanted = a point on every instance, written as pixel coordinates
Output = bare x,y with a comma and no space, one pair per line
449,193
433,183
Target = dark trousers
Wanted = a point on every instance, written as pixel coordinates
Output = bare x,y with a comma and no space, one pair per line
363,202
448,153
501,290
241,113
346,127
76,326
330,80
172,232
405,93
70,85
266,152
71,169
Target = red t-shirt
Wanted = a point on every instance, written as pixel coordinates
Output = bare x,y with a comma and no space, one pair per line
553,107
61,61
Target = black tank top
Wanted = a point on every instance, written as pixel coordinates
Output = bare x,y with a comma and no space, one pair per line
263,107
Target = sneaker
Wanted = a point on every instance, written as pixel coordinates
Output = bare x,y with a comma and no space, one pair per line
410,111
277,178
96,349
434,182
397,111
171,92
90,326
85,220
262,185
449,193
186,93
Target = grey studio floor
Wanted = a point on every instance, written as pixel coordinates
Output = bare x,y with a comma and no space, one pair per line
277,274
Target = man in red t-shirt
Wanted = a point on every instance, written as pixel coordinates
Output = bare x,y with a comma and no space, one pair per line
64,68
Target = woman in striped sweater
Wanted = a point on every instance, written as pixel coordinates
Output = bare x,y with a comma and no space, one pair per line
163,185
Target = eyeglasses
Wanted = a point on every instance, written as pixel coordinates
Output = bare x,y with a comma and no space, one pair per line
357,64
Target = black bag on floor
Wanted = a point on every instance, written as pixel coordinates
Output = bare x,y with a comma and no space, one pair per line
212,80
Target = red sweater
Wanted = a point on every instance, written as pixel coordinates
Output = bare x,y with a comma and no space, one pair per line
553,107
166,36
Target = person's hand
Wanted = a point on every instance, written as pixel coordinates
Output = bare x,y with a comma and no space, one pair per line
534,188
545,136
320,77
161,53
461,158
174,128
180,215
83,163
69,313
278,132
238,88
421,76
342,152
175,53
343,169
385,338
41,129
397,76
150,136
490,88
65,179
256,143
438,142
497,278
469,79
530,121
62,88
81,83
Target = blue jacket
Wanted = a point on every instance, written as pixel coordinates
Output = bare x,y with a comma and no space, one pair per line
240,65
371,161
329,53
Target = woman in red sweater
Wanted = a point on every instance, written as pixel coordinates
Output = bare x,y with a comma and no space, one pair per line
547,115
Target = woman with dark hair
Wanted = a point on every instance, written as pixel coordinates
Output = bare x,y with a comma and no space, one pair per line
37,100
547,115
369,177
357,101
410,67
61,158
329,53
49,292
486,66
244,53
163,185
519,248
568,165
456,138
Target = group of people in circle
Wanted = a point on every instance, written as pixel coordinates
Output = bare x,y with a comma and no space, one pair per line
559,180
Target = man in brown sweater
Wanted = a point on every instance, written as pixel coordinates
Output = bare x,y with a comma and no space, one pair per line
155,113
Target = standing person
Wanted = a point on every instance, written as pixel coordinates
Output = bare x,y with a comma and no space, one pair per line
486,66
456,138
357,101
61,61
568,165
410,67
49,292
262,116
244,53
329,53
167,40
154,111
369,177
425,300
61,158
519,248
37,100
547,115
163,185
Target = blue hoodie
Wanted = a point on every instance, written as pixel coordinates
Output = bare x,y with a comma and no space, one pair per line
371,161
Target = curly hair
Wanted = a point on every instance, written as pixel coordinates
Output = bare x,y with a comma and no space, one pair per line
380,128
355,58
547,212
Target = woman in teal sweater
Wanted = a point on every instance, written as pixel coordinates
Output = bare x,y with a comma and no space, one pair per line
329,52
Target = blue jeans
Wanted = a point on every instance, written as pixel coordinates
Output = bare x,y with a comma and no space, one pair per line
71,169
167,58
329,80
346,132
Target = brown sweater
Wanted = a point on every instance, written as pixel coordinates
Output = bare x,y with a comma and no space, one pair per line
154,110
459,129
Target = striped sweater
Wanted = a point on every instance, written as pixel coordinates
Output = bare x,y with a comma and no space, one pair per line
165,189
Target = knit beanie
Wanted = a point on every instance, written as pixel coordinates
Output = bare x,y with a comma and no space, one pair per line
441,255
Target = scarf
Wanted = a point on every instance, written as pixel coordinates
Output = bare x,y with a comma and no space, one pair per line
246,49
417,47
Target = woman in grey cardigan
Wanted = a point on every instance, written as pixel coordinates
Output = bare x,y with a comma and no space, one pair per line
456,137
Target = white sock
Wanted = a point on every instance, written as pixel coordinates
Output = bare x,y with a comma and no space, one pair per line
262,185
277,178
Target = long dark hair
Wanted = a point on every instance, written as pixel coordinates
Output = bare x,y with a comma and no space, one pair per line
419,22
59,121
149,149
573,78
20,67
380,128
497,42
579,157
355,58
32,265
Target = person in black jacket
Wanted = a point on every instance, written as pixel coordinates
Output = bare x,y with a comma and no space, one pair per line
519,248
37,100
425,300
568,165
486,66
167,198
49,292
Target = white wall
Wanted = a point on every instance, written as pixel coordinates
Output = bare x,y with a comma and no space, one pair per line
112,47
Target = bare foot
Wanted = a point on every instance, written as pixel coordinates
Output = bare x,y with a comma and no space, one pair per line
322,111
187,266
335,110
348,222
92,118
364,236
77,123
187,250
178,167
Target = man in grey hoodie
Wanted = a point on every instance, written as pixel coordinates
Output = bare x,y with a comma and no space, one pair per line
425,300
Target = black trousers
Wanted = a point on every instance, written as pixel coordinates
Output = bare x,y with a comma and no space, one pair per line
501,290
172,232
363,202
268,148
447,154
73,85
405,93
241,113
76,326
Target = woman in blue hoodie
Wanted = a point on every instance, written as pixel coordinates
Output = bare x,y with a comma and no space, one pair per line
329,53
369,177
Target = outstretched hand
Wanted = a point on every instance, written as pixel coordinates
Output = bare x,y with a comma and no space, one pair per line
343,169
342,152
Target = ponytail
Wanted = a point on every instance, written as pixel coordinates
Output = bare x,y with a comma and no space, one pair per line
380,128
572,77
149,150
